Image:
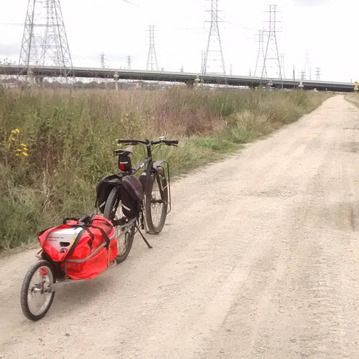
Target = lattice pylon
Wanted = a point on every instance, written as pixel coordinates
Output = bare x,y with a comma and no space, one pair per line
260,55
271,54
317,73
282,59
152,57
307,66
44,40
214,51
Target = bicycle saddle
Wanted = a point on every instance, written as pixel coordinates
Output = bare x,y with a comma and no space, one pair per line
124,151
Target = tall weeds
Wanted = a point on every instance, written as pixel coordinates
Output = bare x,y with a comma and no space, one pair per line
55,144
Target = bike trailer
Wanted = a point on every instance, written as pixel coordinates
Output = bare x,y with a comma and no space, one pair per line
82,248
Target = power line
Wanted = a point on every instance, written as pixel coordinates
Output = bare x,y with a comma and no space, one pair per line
129,2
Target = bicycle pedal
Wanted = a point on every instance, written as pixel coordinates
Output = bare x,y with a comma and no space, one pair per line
152,232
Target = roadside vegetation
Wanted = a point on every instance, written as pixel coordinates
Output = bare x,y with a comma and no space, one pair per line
55,144
353,98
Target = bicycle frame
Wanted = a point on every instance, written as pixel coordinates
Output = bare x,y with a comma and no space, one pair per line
151,166
150,171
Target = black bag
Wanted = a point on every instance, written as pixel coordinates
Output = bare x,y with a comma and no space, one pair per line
124,162
131,196
103,190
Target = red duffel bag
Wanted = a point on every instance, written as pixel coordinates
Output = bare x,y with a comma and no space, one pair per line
83,247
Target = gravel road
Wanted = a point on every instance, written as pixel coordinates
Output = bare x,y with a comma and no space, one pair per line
259,259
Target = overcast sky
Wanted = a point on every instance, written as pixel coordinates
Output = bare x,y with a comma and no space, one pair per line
325,31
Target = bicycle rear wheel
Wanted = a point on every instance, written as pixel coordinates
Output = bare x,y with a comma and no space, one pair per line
124,232
37,292
156,203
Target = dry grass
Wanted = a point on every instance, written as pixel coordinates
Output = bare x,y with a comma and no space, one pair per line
70,135
353,98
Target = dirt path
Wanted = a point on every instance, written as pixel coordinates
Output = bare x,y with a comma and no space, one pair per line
260,259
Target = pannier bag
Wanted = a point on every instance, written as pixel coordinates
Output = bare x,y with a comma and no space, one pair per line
103,190
131,196
83,247
131,193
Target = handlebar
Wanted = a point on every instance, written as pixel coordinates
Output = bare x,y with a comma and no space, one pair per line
149,143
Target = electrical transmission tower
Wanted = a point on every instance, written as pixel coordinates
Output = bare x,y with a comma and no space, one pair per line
282,64
152,58
44,41
203,56
260,54
214,52
103,60
317,74
307,66
271,62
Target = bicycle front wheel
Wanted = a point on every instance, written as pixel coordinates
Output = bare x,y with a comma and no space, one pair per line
37,292
124,232
156,203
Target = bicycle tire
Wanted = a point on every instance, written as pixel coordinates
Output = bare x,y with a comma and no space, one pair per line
156,203
37,287
124,238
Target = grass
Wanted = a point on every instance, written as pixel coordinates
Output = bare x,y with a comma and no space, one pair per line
56,144
353,98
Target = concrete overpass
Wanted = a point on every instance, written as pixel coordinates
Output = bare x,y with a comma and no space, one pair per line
184,77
